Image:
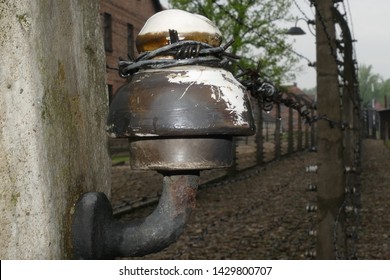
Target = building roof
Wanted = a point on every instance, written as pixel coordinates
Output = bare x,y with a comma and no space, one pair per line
384,111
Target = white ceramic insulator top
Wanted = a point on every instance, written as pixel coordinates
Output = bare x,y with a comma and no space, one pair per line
182,21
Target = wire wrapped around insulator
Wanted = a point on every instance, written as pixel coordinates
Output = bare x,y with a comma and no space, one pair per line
187,52
269,94
266,90
267,106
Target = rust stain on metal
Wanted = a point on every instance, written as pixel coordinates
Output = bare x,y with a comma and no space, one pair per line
182,190
152,41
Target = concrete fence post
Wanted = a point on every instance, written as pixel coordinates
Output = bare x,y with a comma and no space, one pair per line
53,107
259,134
300,133
331,178
278,123
290,141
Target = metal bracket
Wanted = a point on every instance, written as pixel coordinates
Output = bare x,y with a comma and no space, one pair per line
97,235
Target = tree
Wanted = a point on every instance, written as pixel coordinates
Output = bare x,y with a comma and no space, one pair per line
253,26
369,84
384,88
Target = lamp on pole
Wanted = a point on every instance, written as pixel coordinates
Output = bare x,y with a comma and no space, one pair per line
296,30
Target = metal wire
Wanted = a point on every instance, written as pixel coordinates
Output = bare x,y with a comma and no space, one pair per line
270,94
351,222
300,10
183,53
325,29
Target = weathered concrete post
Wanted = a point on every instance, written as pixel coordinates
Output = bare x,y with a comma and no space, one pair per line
53,107
331,179
278,123
259,134
290,141
313,128
300,132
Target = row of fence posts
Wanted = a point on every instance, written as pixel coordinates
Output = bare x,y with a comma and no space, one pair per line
283,129
338,139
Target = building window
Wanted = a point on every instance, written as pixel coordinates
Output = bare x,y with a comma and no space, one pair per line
130,40
107,32
110,93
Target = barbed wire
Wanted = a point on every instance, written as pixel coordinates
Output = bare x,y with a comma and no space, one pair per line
348,213
325,29
347,9
183,53
301,10
271,94
349,210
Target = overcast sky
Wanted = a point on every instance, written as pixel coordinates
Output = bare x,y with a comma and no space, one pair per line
371,28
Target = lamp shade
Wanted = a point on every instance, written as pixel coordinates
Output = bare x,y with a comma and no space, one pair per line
295,31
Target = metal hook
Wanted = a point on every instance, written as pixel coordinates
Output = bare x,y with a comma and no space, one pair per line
97,235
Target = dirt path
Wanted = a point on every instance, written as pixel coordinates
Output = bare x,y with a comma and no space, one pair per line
374,242
264,216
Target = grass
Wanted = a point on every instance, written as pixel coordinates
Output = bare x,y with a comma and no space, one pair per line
117,159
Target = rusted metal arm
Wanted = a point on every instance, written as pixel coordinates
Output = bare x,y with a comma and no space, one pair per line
97,235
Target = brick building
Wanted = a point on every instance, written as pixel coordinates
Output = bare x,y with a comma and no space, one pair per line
284,111
122,20
292,90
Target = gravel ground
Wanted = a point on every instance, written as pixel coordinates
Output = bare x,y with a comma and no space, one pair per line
264,216
374,242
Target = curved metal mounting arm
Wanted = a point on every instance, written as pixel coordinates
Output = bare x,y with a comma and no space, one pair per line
97,235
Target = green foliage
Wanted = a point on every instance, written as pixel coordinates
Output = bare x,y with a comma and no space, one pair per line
384,89
368,83
372,85
118,159
252,25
